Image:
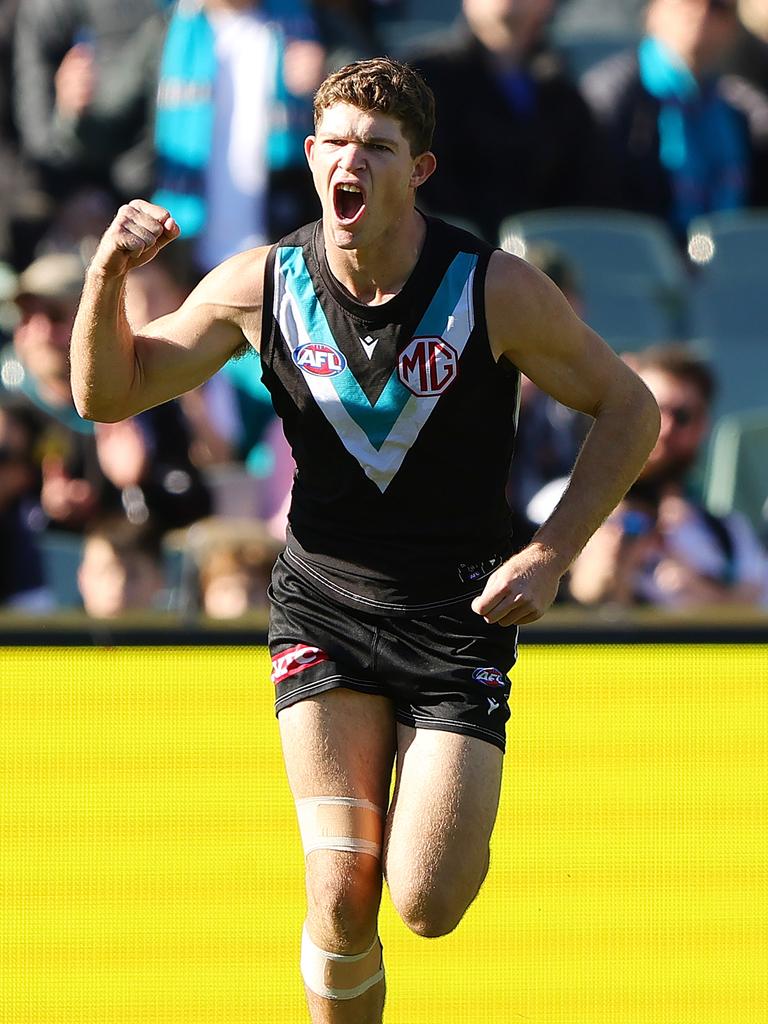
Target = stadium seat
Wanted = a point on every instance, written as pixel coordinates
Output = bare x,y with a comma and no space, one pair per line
61,553
736,475
728,297
634,281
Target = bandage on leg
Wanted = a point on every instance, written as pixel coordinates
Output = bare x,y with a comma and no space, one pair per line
340,823
334,976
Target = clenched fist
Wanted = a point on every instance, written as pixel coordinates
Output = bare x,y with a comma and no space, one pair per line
138,232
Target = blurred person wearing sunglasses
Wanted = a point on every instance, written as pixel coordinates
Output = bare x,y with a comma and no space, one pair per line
661,546
139,467
681,138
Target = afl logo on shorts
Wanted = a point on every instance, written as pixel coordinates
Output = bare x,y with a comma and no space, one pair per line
489,676
319,360
427,366
295,659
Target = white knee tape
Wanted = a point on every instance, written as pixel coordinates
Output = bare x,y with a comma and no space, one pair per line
340,823
334,976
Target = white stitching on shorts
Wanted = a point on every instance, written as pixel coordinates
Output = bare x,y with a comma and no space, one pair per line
450,721
384,605
326,679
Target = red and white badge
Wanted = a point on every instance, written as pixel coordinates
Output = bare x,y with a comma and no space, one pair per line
294,660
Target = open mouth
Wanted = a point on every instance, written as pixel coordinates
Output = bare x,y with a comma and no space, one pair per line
348,202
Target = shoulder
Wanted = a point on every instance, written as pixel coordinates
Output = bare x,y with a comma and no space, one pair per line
604,85
748,100
522,303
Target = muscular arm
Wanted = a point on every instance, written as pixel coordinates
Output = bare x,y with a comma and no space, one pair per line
531,324
117,373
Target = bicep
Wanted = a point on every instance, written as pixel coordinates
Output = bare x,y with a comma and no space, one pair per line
179,351
218,320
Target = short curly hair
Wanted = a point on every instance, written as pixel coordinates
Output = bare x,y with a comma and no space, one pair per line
388,86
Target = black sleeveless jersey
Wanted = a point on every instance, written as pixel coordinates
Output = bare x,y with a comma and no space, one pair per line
400,421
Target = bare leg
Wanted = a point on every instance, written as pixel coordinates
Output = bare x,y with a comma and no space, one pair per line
443,811
341,743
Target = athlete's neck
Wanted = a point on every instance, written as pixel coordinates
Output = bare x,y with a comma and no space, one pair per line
375,273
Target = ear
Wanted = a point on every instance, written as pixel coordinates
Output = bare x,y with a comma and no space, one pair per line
423,167
309,148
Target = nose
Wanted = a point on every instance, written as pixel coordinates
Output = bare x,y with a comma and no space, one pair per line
351,157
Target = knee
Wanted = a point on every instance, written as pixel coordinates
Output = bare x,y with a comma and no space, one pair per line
431,907
429,915
343,896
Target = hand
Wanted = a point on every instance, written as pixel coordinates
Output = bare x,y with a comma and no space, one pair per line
138,232
74,81
65,499
520,590
122,452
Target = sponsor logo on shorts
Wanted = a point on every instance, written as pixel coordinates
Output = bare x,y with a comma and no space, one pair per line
427,366
489,676
319,360
294,660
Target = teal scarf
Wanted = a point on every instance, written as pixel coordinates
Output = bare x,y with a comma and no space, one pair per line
185,110
701,142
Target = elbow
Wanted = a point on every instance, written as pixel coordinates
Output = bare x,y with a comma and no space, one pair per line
88,408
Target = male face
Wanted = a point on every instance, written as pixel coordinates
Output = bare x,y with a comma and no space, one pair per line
364,174
684,426
112,583
500,17
42,336
698,31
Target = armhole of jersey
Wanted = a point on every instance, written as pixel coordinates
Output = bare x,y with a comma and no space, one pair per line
506,368
267,312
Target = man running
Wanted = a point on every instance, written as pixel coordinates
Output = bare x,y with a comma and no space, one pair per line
392,346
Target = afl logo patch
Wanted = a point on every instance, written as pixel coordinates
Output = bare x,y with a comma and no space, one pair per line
489,676
319,360
427,366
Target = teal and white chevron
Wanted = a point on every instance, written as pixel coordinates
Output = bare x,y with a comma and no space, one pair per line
378,435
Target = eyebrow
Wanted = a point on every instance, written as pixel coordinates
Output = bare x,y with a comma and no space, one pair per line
367,140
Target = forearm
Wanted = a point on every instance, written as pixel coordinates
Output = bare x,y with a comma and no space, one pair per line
613,455
102,350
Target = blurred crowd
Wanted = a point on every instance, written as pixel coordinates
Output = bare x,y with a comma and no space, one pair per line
659,109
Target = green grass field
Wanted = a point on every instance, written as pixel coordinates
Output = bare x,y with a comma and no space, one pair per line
151,870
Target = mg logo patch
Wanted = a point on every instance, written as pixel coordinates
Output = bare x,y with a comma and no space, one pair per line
427,366
319,360
295,659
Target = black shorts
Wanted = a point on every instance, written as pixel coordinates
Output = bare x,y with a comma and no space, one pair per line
446,670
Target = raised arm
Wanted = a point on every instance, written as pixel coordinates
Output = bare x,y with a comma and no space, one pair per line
531,324
117,373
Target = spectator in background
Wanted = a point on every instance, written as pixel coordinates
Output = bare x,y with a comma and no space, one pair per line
233,109
661,546
22,582
121,569
233,559
514,133
348,30
749,54
22,205
140,465
681,139
85,74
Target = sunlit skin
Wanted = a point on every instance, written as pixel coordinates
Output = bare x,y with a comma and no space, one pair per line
373,253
